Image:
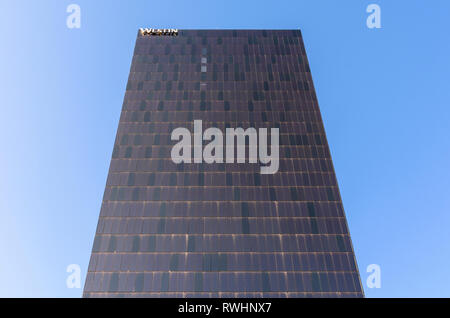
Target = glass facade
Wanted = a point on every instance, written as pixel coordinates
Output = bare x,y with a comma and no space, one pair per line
221,229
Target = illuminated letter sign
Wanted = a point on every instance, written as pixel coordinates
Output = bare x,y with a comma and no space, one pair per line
150,32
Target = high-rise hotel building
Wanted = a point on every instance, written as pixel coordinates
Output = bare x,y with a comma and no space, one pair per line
217,229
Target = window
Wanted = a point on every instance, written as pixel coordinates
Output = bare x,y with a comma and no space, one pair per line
136,244
151,180
128,152
173,266
229,179
148,152
124,140
131,178
137,140
173,179
139,282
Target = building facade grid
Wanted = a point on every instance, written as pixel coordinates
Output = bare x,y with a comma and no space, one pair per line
221,230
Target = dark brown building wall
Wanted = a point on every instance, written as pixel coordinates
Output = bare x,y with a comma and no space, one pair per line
221,230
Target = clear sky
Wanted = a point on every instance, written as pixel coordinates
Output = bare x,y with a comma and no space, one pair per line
384,96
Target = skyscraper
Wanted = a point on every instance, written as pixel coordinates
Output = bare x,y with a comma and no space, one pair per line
221,228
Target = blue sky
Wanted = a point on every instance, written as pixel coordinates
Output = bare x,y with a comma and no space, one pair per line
383,94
